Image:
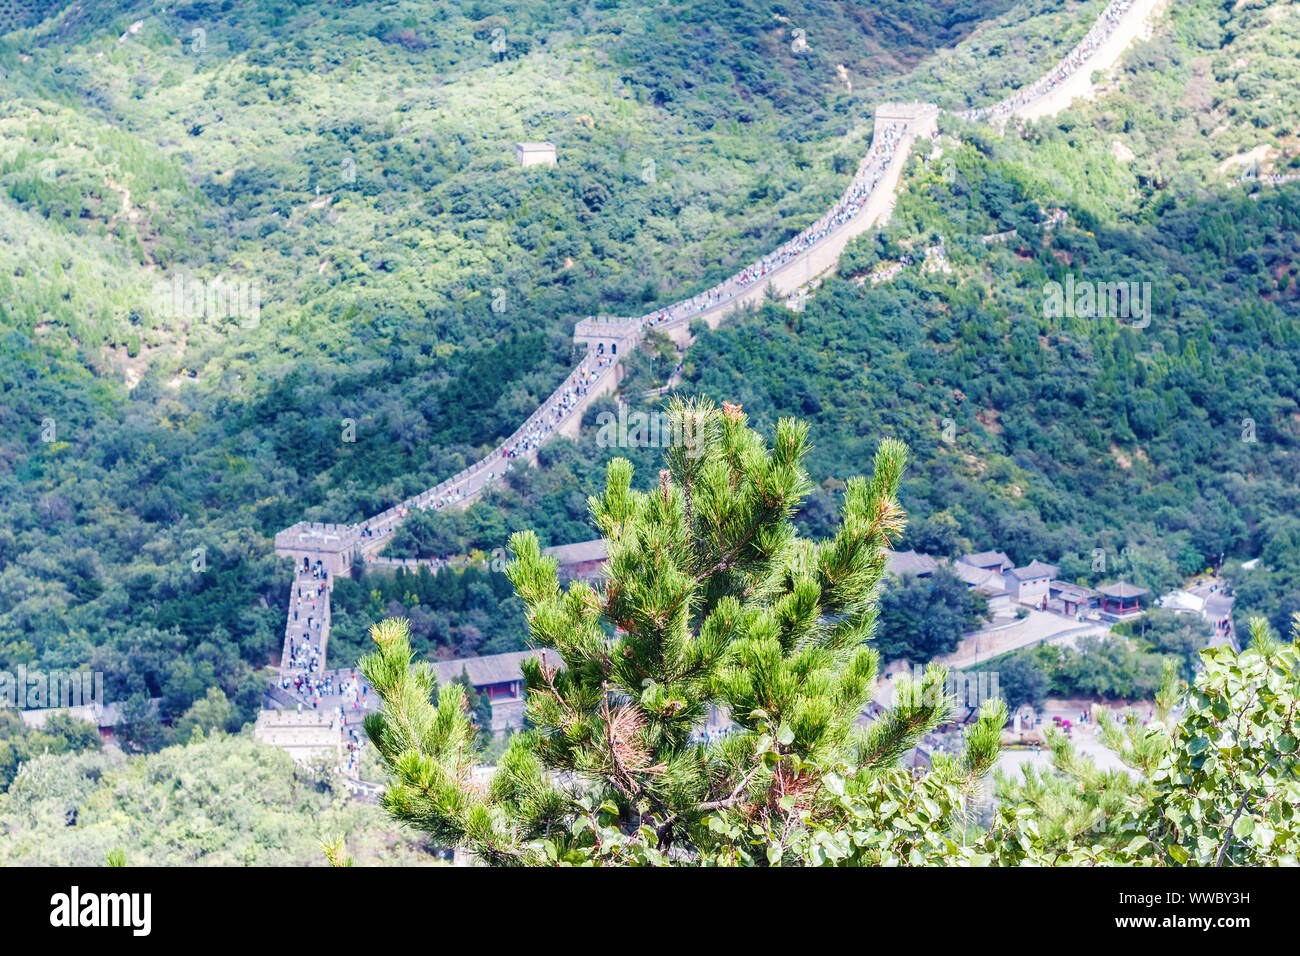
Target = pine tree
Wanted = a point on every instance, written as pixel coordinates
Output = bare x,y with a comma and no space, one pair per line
478,706
711,601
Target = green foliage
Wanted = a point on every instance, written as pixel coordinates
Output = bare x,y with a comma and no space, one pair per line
124,159
225,801
1168,632
458,611
129,156
1106,667
478,706
924,618
1022,680
336,851
711,601
1077,802
1229,791
340,158
61,734
1218,787
213,712
1072,436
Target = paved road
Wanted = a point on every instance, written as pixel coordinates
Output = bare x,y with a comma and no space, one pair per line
1039,626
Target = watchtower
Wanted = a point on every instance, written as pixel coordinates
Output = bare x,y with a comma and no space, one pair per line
535,154
608,335
330,544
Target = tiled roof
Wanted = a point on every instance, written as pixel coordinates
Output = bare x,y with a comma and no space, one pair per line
1122,590
1067,589
1034,569
580,551
987,558
902,562
490,668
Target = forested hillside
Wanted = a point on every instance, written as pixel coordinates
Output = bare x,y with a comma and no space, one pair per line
1164,448
218,801
350,168
356,162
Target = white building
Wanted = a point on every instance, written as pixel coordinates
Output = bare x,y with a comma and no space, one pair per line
535,154
1030,584
987,582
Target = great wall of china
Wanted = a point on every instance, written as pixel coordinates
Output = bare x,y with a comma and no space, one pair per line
322,552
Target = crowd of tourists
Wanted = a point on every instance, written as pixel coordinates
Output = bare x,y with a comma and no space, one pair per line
355,742
579,384
354,701
305,633
883,147
558,408
1074,60
301,654
587,375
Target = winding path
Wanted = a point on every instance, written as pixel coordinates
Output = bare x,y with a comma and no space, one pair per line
323,551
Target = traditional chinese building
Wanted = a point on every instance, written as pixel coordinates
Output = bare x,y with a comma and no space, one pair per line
989,561
1120,601
582,559
1029,585
500,678
910,562
1075,599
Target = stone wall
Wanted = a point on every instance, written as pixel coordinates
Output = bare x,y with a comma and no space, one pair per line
304,735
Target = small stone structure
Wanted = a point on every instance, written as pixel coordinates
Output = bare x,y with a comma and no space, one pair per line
330,544
535,154
608,335
304,735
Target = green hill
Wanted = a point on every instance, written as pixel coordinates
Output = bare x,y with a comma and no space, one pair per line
355,164
1163,449
224,801
350,168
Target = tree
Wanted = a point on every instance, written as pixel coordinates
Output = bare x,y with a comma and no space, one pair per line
1021,680
141,729
61,734
1078,801
213,711
711,601
924,618
1219,787
1168,632
940,533
1229,790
